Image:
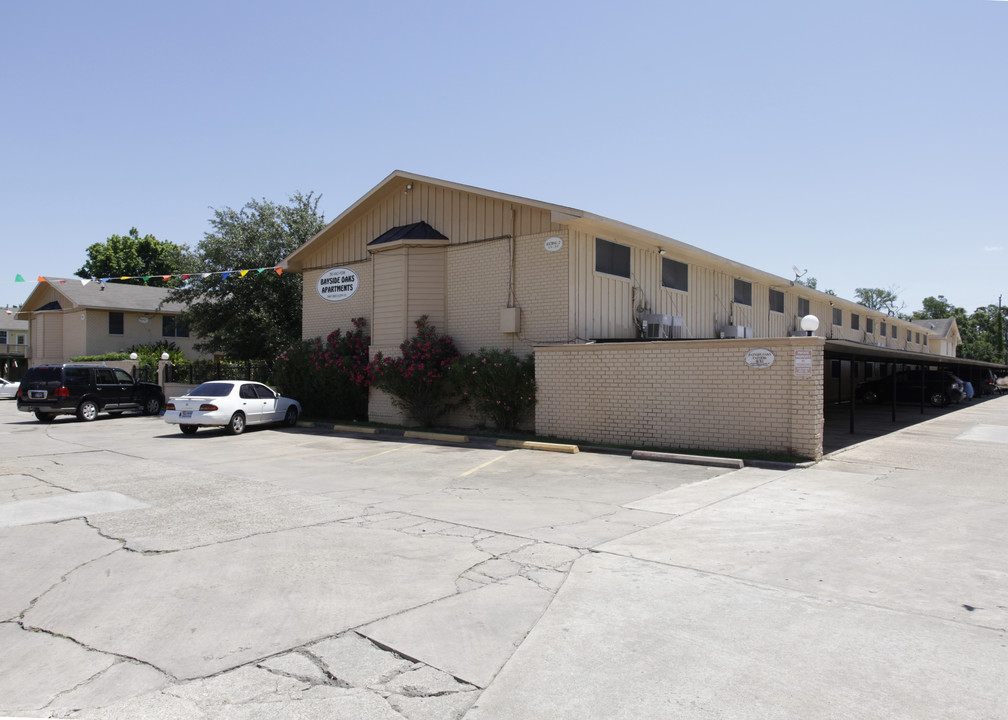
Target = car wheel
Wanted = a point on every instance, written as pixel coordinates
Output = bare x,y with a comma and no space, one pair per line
188,429
236,425
44,416
938,399
870,397
152,406
290,419
87,411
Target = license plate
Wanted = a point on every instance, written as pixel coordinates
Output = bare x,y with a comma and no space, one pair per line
186,413
37,394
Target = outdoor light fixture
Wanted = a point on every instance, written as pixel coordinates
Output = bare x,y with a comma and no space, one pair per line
133,356
661,251
810,323
164,355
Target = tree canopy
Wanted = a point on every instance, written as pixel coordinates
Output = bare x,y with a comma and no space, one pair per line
881,299
982,331
136,257
258,316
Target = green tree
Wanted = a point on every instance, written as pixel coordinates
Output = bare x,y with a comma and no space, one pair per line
981,332
881,299
145,259
258,316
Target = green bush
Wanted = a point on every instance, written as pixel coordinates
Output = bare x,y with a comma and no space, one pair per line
148,356
418,381
329,379
499,384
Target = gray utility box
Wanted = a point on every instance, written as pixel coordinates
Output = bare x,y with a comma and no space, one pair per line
661,327
737,331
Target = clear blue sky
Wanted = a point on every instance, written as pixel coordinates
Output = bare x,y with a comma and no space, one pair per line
864,140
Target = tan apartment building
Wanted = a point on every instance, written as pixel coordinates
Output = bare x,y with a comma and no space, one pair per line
69,318
590,296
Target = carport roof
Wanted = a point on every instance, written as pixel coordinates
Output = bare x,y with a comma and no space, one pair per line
849,350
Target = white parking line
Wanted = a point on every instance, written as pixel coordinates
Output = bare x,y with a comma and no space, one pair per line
384,452
480,467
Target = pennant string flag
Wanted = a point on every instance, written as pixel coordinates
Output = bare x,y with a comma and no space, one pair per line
225,274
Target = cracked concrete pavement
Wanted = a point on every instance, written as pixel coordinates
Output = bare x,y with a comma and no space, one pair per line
297,573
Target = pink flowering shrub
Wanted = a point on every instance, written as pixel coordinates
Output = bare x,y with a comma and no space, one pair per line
499,385
330,379
418,381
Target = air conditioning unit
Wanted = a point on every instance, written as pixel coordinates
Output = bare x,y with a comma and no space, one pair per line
661,327
736,331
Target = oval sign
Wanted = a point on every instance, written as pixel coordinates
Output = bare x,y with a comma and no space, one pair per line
759,358
553,244
337,284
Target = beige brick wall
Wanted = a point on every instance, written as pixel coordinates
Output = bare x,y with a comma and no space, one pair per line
691,395
477,291
320,317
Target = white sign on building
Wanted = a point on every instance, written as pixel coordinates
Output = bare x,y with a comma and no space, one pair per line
337,284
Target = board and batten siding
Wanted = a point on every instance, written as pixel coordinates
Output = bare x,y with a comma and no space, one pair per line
460,216
389,297
425,287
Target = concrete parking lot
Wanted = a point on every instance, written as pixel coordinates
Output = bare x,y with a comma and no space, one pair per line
306,574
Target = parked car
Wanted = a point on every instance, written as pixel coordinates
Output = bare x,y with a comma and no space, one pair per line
8,389
986,383
940,388
85,391
231,404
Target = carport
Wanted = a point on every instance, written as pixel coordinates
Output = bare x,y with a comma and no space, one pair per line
854,353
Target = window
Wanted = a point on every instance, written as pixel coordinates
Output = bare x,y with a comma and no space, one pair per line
803,306
674,274
893,333
882,328
837,316
612,258
917,340
908,335
3,337
743,292
172,326
115,323
855,321
869,325
776,301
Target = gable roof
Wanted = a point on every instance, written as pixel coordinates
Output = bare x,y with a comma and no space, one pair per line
415,231
560,214
942,327
79,295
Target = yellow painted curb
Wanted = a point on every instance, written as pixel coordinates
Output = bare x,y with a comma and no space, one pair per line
532,445
355,429
418,435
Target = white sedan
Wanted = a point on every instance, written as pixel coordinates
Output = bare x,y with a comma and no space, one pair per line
231,404
8,389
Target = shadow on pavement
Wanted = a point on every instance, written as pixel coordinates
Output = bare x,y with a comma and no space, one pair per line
872,421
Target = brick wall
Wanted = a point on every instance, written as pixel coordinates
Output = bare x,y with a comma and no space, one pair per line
320,317
692,395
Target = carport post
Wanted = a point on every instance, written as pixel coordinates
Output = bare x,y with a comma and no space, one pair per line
892,394
851,373
923,388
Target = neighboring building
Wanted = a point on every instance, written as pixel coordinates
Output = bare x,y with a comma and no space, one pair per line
943,335
69,318
13,344
497,270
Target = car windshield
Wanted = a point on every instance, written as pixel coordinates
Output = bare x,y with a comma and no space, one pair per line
212,389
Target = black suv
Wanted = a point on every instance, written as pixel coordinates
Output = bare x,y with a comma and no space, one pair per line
85,391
